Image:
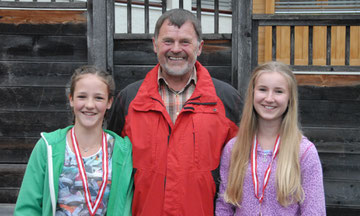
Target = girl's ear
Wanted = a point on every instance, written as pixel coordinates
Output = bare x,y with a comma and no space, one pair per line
110,103
71,100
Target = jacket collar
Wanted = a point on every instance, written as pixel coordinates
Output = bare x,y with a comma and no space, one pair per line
148,97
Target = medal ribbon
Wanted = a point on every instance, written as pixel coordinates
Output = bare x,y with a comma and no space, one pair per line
92,206
268,170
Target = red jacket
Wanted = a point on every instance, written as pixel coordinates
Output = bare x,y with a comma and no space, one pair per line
174,162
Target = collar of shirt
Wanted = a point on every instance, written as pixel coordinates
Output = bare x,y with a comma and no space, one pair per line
192,77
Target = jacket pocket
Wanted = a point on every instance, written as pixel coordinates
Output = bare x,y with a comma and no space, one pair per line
208,139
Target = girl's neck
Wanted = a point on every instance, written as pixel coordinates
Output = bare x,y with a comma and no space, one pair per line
88,139
267,133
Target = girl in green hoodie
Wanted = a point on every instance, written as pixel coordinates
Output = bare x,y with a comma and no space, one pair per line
81,169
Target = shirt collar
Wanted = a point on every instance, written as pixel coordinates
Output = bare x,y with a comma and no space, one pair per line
192,78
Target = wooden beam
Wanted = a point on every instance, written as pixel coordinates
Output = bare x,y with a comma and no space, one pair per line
42,16
97,33
242,53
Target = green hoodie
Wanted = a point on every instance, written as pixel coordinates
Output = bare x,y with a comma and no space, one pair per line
39,190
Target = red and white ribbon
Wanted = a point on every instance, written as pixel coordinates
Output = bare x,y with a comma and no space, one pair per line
268,170
92,206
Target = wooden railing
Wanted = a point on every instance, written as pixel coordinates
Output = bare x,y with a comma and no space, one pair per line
275,21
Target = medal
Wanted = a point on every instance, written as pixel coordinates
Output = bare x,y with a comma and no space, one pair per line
92,206
267,172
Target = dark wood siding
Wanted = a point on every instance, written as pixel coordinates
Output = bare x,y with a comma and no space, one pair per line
37,57
331,119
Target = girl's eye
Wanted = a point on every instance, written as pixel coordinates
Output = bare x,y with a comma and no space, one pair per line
81,96
279,91
99,98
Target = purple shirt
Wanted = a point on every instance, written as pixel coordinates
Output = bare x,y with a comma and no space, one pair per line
312,183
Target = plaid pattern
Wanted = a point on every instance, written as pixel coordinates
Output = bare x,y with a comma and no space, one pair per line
175,100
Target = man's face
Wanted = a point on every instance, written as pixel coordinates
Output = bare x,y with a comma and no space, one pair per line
177,48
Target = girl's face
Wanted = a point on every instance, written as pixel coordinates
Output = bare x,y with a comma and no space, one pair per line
90,101
271,96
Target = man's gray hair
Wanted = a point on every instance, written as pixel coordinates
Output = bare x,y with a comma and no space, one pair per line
178,17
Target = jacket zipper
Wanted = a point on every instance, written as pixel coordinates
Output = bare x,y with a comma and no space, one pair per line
166,163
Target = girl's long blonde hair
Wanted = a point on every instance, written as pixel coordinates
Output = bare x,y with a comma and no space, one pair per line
288,173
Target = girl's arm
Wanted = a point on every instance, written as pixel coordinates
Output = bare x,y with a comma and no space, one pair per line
29,201
222,208
312,182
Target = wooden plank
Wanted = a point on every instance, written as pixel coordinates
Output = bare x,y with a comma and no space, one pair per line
319,45
16,150
336,210
269,6
268,44
328,80
340,192
354,45
259,6
306,20
340,93
329,113
323,135
11,175
243,35
125,75
53,4
43,48
62,29
8,194
283,44
134,52
341,148
97,34
110,31
31,122
36,74
216,53
261,44
36,17
301,45
43,98
198,10
15,156
216,16
340,166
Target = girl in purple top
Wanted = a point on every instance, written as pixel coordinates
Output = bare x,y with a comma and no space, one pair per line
270,168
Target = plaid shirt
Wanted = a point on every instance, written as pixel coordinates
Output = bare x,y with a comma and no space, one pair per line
175,100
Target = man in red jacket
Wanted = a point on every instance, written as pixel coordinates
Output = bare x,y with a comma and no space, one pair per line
178,119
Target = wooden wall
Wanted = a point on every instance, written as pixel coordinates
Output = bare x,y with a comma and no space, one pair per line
329,104
38,52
